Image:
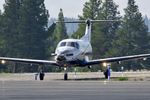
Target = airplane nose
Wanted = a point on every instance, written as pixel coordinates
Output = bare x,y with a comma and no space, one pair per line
61,58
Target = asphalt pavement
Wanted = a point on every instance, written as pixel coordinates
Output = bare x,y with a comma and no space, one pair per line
74,90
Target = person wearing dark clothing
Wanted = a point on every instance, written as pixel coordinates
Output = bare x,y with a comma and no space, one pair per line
106,73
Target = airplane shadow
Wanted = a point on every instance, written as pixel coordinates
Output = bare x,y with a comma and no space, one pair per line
84,79
92,79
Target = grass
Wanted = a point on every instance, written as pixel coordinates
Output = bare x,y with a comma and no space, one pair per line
5,73
122,78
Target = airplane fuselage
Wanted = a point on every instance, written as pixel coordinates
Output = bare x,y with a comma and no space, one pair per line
73,52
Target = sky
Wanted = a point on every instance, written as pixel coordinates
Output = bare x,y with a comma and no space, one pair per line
73,8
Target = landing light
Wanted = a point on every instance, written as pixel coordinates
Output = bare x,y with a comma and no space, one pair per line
3,61
104,64
65,68
144,59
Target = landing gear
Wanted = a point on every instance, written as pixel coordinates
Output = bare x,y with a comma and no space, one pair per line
89,67
75,74
65,74
41,75
41,72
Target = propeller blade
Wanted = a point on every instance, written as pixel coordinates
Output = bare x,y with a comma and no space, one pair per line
52,27
105,20
53,54
85,21
76,21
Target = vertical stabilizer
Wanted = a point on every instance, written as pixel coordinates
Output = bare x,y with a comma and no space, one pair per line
87,35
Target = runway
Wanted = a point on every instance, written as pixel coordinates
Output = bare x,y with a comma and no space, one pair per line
74,90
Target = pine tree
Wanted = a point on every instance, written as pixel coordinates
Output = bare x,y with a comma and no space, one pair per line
106,31
11,19
50,42
32,28
132,37
90,11
24,29
10,30
61,31
2,40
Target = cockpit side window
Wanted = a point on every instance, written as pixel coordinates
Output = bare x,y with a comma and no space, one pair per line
63,44
77,45
73,44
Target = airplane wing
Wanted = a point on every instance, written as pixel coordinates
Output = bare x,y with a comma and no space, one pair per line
32,61
91,62
116,59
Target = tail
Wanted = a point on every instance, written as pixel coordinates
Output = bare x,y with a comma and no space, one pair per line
87,35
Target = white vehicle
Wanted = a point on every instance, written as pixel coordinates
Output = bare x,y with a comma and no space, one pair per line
75,52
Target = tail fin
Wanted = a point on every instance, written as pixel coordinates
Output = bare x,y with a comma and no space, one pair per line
87,35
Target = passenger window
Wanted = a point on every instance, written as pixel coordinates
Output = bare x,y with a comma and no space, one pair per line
63,44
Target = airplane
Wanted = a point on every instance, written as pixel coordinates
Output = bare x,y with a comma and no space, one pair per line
75,52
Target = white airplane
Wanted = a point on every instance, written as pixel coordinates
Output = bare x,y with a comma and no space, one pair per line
75,52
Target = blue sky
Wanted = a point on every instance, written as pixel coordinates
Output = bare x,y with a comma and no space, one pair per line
73,8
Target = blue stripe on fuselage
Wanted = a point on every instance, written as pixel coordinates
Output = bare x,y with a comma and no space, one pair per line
78,62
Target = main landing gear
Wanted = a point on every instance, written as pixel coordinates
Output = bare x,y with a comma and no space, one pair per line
41,73
65,73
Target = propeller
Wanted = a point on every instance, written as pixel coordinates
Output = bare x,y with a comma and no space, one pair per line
87,21
52,27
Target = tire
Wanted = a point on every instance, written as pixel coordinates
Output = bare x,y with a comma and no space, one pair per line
65,76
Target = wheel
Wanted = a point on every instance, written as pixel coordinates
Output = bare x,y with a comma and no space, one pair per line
65,76
41,76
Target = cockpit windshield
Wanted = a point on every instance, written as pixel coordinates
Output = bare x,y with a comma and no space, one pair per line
70,44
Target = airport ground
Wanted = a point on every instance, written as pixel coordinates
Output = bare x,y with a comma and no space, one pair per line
24,87
132,76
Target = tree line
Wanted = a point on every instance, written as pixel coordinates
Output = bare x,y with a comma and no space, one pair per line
24,33
129,36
